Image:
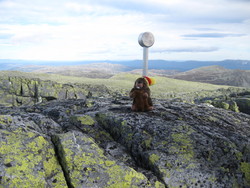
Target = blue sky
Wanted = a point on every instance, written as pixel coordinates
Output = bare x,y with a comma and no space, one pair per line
109,29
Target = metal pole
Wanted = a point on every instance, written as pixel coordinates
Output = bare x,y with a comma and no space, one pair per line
146,40
145,61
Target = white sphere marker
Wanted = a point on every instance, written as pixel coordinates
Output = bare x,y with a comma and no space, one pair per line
146,40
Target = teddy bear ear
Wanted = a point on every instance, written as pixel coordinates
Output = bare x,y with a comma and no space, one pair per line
151,81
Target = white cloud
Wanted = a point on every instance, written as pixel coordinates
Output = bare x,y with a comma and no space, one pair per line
186,49
109,29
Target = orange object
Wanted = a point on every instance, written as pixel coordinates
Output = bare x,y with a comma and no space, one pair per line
151,81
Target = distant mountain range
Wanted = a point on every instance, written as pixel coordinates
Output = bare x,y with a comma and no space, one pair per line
28,65
227,72
187,65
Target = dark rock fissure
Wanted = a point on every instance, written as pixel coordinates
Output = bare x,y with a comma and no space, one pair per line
61,159
138,165
135,164
140,160
36,93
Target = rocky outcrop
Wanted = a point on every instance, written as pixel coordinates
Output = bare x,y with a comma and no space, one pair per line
234,99
99,142
27,89
244,104
19,91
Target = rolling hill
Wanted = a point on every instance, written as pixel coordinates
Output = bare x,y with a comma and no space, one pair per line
123,83
94,70
216,75
227,72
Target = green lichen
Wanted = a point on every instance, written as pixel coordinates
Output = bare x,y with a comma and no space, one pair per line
234,107
124,123
245,168
212,179
124,127
182,145
29,161
109,163
159,185
86,160
225,105
213,119
101,118
180,149
84,120
120,178
89,103
147,139
153,158
148,142
239,155
5,119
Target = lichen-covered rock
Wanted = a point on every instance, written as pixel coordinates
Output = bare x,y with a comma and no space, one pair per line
73,159
19,91
244,104
186,145
27,158
87,166
100,142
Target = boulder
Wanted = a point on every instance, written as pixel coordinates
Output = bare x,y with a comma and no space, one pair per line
186,145
27,157
244,104
85,164
100,142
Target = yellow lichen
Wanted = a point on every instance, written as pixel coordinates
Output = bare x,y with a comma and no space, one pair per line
159,185
90,161
25,153
5,119
84,120
109,163
153,158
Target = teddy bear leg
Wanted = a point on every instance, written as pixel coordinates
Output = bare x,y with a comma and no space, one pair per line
133,108
150,108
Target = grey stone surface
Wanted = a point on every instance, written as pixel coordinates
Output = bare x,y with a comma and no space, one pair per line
100,142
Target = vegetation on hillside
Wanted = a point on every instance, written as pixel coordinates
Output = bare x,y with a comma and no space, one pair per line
165,88
123,83
216,75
